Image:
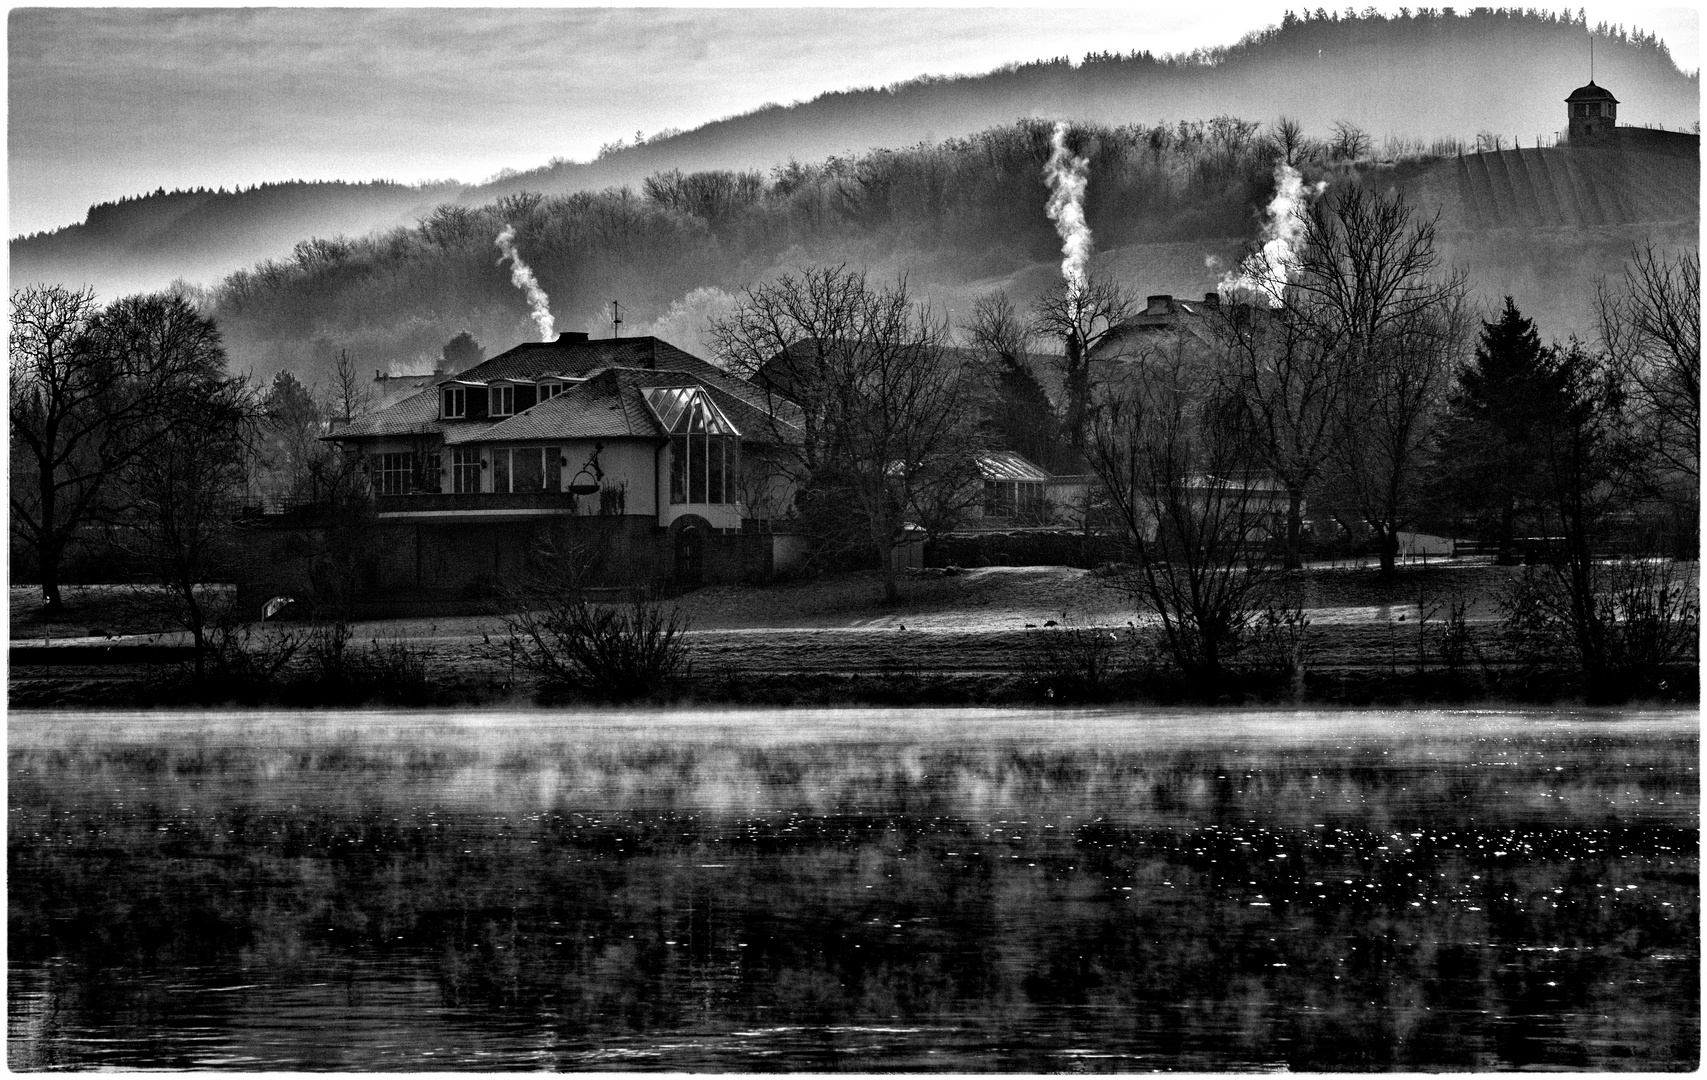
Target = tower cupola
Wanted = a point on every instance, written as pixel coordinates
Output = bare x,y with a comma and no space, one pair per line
1592,113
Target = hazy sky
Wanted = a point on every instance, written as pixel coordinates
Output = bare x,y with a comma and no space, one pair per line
106,102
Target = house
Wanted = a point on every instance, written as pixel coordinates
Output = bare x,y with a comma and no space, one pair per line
659,466
1018,491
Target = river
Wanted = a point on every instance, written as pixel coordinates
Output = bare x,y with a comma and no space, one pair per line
821,890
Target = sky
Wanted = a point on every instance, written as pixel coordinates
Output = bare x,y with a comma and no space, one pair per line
108,102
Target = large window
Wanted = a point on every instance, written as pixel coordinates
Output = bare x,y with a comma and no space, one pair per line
527,468
704,445
396,474
465,469
1014,498
455,403
501,400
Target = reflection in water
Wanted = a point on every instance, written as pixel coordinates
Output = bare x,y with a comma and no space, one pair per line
818,891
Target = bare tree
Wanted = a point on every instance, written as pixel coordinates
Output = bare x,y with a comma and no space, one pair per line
352,394
1089,324
1386,422
1173,465
1017,413
1284,382
91,390
879,398
1349,142
996,329
1289,140
1651,329
1367,282
181,502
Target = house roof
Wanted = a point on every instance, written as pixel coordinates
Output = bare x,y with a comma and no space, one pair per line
604,411
610,404
417,414
1007,465
1591,92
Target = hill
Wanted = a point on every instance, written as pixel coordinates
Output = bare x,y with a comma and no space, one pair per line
1171,207
147,241
1420,77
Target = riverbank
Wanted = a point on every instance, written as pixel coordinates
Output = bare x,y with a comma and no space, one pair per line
992,635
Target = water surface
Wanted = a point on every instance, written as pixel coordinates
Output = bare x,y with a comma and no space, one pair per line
967,890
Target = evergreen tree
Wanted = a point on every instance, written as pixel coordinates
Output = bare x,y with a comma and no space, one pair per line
1509,399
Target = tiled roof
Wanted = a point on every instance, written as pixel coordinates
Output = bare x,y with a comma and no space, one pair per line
654,362
535,359
610,404
414,415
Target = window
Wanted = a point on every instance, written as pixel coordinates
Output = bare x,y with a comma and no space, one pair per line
1014,498
396,474
501,400
704,445
455,403
527,468
432,473
549,390
465,469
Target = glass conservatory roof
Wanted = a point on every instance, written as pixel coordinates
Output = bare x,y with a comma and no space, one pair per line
686,410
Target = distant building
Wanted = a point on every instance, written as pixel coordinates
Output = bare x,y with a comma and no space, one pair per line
1591,116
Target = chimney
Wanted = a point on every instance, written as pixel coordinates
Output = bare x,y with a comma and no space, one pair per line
571,337
1211,300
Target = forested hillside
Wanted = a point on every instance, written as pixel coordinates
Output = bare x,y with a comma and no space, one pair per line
1172,208
145,241
1425,75
949,215
1406,81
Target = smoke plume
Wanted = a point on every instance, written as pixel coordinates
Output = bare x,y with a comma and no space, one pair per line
1067,182
522,278
1267,270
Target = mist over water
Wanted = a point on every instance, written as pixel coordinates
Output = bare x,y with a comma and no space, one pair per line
817,890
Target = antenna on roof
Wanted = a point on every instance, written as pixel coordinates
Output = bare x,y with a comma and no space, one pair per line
615,319
1591,56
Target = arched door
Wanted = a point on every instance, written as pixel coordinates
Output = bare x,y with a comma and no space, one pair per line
690,557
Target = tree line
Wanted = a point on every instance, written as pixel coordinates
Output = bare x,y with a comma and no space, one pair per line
1346,389
1352,381
393,298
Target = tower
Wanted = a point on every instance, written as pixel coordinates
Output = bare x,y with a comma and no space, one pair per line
1592,113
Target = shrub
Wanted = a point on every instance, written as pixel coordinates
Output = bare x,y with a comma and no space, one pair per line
618,651
1279,645
1079,663
1639,618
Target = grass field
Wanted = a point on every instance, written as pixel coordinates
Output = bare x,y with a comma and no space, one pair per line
964,636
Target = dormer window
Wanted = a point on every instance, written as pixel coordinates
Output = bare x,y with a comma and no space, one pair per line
549,390
501,400
453,403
